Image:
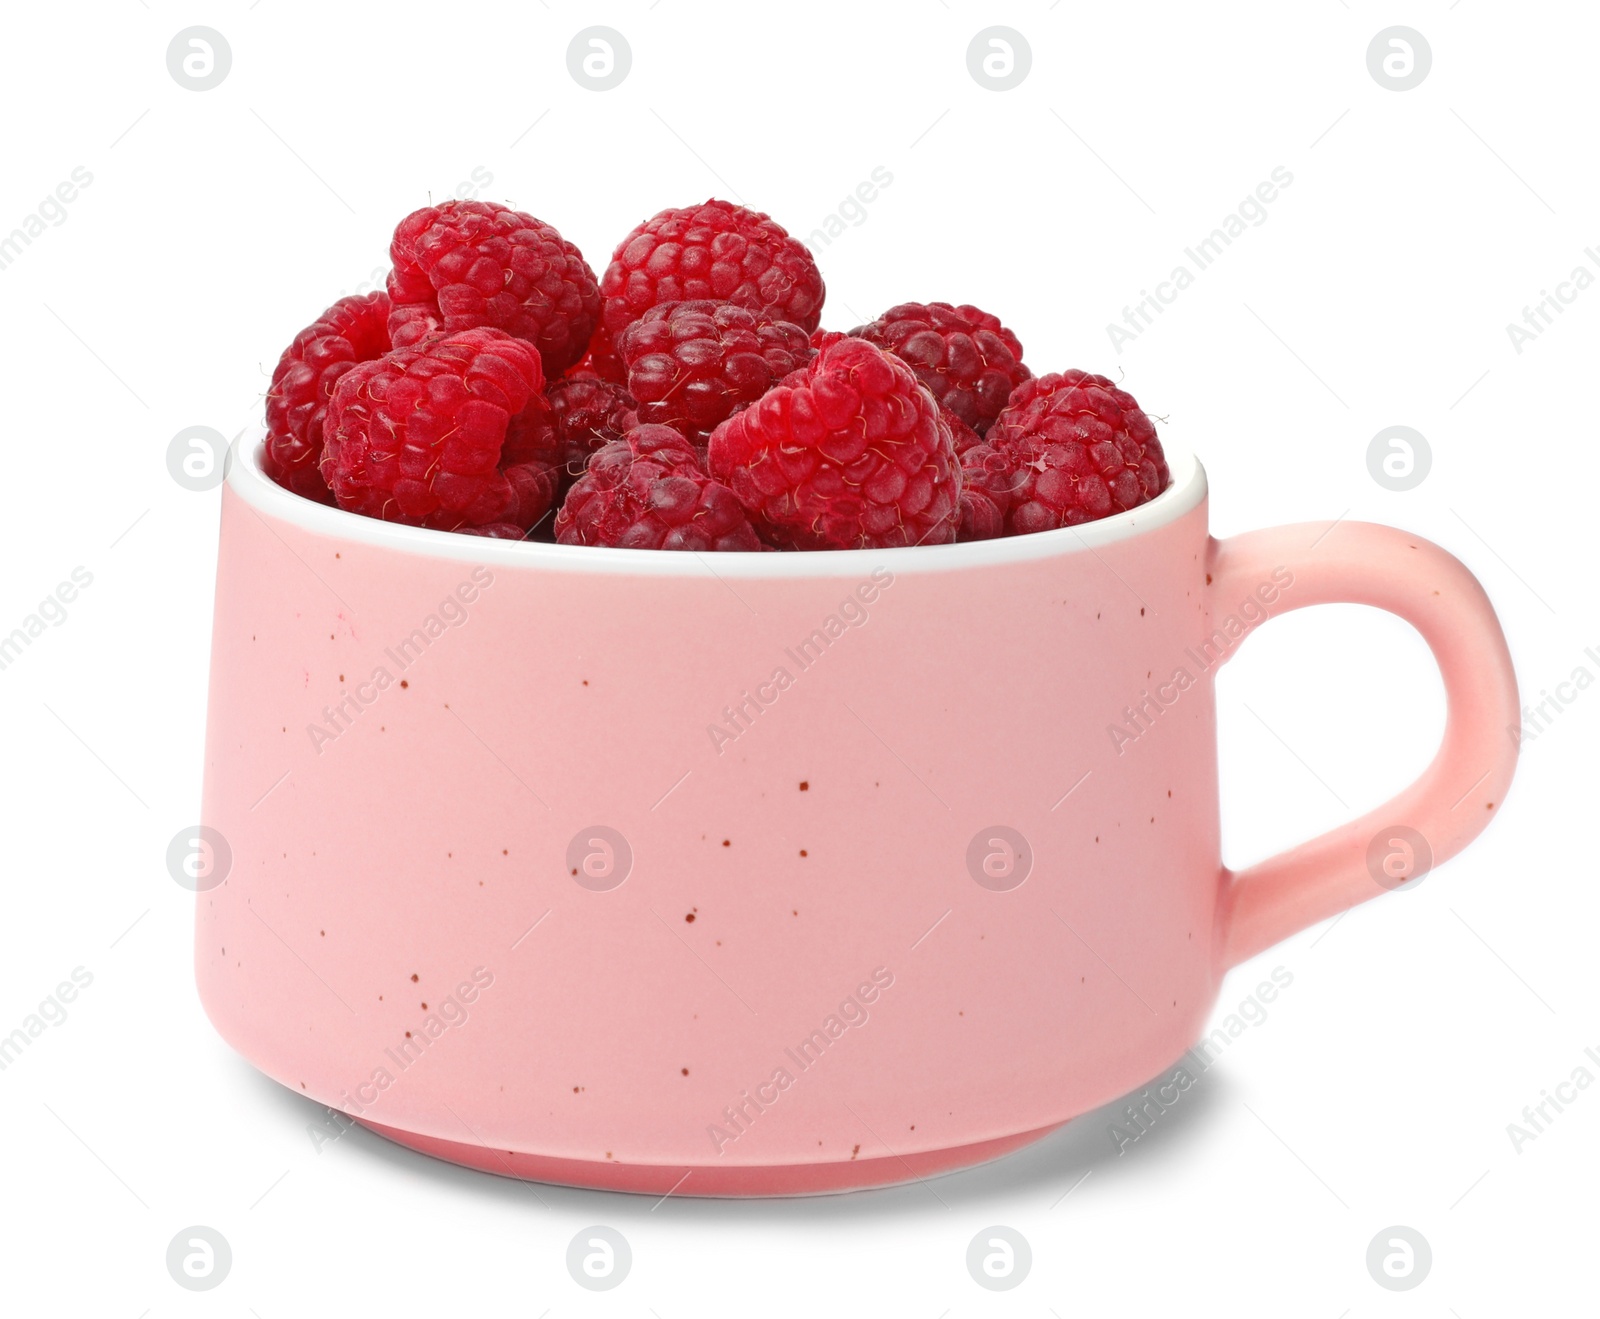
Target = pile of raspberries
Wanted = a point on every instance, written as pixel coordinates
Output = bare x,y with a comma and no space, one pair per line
685,400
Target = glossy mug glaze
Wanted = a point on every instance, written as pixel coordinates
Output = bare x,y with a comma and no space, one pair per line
766,874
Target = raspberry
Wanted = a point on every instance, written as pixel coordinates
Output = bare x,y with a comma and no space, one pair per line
600,361
497,531
647,491
716,250
534,490
464,264
850,452
692,365
354,329
987,480
961,434
588,412
419,435
531,435
1081,449
964,355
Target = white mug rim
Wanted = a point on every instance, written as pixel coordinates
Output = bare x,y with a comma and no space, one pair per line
249,481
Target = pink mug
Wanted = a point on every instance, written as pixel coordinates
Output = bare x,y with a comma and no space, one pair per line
754,874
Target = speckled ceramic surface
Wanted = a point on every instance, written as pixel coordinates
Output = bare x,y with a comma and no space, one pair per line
763,874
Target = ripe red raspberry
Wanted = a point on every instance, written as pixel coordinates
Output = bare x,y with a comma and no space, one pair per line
961,434
354,329
600,362
718,251
463,264
648,491
588,412
497,531
419,435
1081,448
964,355
987,480
851,452
692,365
535,488
531,435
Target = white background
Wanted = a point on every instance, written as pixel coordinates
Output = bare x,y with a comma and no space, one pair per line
1376,293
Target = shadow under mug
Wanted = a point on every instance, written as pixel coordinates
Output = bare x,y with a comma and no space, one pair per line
766,874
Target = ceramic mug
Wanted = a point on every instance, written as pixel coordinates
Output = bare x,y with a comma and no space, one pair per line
764,874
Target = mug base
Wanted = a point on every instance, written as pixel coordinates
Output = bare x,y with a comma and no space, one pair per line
711,1180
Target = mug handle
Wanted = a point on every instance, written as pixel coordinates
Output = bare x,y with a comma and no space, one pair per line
1449,805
